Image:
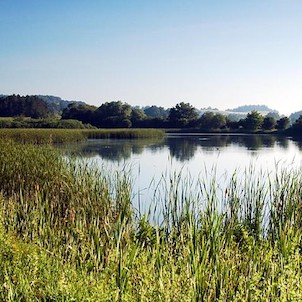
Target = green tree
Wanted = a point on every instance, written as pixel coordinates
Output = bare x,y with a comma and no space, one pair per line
297,126
269,123
253,121
29,106
183,115
205,121
210,121
137,116
81,112
113,115
283,123
219,121
155,111
273,114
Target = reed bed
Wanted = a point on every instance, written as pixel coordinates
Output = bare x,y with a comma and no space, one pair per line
123,133
50,136
69,233
42,136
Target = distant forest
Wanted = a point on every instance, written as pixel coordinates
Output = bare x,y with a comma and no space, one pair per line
53,112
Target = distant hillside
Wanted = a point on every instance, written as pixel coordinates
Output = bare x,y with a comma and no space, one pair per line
294,116
249,108
241,112
56,104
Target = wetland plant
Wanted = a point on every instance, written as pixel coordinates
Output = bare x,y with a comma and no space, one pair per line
68,232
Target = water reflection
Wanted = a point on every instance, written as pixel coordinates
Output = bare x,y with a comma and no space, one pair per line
180,147
298,143
112,150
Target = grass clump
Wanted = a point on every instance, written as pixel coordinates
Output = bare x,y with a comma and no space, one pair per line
69,233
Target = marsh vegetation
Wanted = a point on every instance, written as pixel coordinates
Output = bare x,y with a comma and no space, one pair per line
69,232
50,136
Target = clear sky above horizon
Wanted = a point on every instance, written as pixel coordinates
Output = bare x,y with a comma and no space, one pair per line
221,54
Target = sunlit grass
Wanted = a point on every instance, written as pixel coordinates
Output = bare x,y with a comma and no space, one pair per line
49,136
123,133
68,232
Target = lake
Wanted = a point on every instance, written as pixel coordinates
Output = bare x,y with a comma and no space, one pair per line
189,158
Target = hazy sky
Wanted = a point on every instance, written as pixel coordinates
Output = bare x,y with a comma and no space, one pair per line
218,53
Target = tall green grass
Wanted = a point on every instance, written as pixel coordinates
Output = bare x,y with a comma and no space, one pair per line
68,232
42,136
123,133
49,136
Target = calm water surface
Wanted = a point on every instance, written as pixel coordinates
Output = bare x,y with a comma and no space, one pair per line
197,156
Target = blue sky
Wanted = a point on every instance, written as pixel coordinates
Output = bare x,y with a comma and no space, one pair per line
208,53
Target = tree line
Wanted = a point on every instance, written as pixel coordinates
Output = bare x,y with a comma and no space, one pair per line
183,115
30,106
117,114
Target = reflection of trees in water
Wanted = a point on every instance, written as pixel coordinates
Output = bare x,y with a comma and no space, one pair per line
182,149
210,143
157,146
213,142
298,142
112,150
269,141
250,142
75,149
282,142
115,152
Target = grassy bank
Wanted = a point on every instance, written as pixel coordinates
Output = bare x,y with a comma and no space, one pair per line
123,133
42,136
69,233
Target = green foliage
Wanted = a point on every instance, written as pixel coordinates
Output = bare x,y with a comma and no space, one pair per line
269,123
210,121
298,124
23,122
183,115
81,112
296,128
69,233
113,115
56,104
42,136
49,136
123,133
273,114
137,116
283,123
253,121
156,111
16,105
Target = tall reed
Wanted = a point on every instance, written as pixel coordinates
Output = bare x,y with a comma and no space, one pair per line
123,133
49,136
68,231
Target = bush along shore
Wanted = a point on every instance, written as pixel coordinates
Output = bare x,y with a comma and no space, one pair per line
69,233
46,136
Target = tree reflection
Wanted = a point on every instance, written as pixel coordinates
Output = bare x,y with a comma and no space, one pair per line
181,147
282,142
111,149
184,147
298,142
